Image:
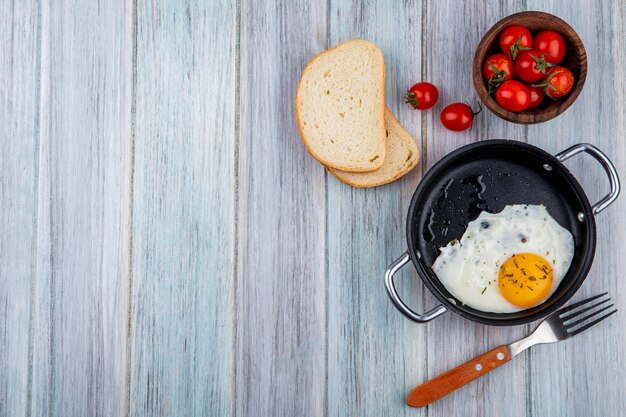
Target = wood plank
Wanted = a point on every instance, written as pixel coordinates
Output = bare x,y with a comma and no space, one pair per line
183,289
81,289
453,31
584,376
375,355
19,93
280,241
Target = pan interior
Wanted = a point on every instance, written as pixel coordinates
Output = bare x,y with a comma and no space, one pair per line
487,177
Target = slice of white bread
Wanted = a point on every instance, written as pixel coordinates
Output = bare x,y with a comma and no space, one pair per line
340,107
402,156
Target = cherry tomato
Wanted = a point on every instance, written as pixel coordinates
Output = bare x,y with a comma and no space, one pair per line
513,96
422,96
458,116
536,97
515,38
552,44
558,83
530,66
497,69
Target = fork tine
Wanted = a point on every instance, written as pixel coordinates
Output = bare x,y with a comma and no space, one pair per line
596,321
574,314
578,304
587,317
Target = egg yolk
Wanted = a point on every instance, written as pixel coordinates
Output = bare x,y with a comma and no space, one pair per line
525,279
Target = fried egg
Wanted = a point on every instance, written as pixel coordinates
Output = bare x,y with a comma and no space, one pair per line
507,261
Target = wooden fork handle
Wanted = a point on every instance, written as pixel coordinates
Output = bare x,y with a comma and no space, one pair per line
455,378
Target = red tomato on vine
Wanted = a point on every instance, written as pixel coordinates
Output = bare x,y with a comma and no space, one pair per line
515,38
458,116
497,69
422,96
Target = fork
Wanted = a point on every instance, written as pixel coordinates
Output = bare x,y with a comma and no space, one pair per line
563,324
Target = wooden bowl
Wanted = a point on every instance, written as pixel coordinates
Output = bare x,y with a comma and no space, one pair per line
575,59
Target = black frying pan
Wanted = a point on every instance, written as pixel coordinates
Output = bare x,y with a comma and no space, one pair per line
489,175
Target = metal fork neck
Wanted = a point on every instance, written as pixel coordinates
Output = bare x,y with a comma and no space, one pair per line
518,347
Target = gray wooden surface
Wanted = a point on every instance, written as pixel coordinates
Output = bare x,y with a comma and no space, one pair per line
169,247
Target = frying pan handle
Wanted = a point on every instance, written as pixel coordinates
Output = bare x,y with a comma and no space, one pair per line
606,163
397,301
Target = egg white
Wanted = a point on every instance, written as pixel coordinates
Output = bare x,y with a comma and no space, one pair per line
468,267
